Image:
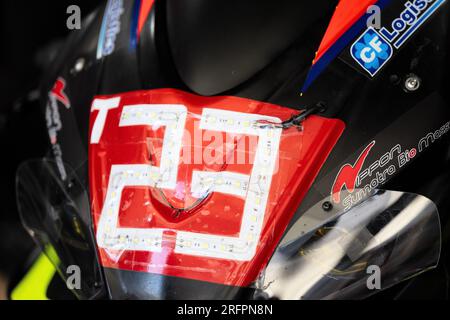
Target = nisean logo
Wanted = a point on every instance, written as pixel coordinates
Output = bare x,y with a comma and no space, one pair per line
372,50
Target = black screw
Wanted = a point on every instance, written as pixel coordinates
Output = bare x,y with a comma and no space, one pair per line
395,79
327,206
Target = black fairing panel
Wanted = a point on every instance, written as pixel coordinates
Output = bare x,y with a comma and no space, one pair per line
244,36
129,285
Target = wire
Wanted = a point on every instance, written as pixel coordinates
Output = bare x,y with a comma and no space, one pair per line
296,120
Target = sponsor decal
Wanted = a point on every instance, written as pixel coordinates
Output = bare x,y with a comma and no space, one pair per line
360,180
432,137
373,49
53,120
58,92
348,175
111,27
354,182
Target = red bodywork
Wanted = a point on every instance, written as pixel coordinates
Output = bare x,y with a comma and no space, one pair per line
346,14
301,156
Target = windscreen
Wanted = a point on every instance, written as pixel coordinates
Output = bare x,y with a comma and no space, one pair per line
351,254
55,213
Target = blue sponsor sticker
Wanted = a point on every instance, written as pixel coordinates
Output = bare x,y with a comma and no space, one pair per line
110,29
373,49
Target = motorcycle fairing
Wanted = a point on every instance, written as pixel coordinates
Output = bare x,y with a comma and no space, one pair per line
367,106
234,212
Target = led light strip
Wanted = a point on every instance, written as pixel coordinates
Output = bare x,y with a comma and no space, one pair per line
257,188
254,188
204,183
173,117
113,238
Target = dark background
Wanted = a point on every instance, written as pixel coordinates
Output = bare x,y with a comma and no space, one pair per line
26,27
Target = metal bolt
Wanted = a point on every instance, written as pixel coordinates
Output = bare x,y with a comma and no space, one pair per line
412,83
327,206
